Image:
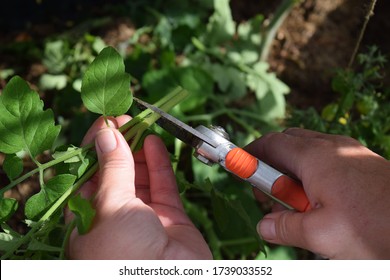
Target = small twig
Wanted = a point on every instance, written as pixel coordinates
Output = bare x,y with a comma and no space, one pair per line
369,14
269,32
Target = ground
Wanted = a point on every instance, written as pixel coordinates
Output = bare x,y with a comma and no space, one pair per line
316,38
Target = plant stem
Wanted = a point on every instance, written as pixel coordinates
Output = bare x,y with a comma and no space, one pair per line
369,14
69,230
269,32
45,166
166,103
21,241
173,99
177,151
243,124
63,198
136,128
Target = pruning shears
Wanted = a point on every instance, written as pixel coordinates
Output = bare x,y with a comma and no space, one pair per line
212,146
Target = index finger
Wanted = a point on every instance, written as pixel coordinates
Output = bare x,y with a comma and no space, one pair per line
282,151
163,187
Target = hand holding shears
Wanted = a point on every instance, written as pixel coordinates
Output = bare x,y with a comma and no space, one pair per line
212,146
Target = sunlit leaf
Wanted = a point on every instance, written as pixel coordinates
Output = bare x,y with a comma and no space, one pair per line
221,26
55,56
106,86
24,125
49,81
229,80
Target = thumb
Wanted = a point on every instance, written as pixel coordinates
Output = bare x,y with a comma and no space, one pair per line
116,170
284,228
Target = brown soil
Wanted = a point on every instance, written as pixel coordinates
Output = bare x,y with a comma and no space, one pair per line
317,38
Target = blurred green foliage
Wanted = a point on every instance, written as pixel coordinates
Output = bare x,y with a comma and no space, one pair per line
362,109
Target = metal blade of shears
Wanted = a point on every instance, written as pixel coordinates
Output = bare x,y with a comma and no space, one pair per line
177,128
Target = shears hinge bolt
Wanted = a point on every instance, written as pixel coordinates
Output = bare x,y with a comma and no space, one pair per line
220,131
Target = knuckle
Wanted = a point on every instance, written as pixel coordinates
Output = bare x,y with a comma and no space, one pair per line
282,230
291,130
118,164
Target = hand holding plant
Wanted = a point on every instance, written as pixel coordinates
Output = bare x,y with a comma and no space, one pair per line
139,214
22,116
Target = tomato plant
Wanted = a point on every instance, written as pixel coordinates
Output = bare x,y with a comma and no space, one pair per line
29,129
362,110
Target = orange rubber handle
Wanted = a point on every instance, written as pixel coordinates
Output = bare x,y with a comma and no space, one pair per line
291,192
284,188
241,163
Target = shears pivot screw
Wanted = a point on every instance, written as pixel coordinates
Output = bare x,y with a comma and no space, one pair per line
220,131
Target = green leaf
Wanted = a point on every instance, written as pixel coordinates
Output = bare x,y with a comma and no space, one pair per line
221,26
201,171
192,78
24,125
219,206
79,168
36,245
35,205
84,212
278,253
164,31
196,81
261,81
229,80
250,31
329,112
8,238
12,166
272,106
76,165
56,56
50,81
269,91
51,191
8,206
158,83
61,151
106,86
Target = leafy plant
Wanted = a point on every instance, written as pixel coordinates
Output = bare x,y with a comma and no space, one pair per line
362,110
26,127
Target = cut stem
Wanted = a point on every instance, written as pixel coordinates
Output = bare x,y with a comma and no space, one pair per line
269,32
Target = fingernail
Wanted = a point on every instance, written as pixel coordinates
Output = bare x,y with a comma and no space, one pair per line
106,140
266,228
